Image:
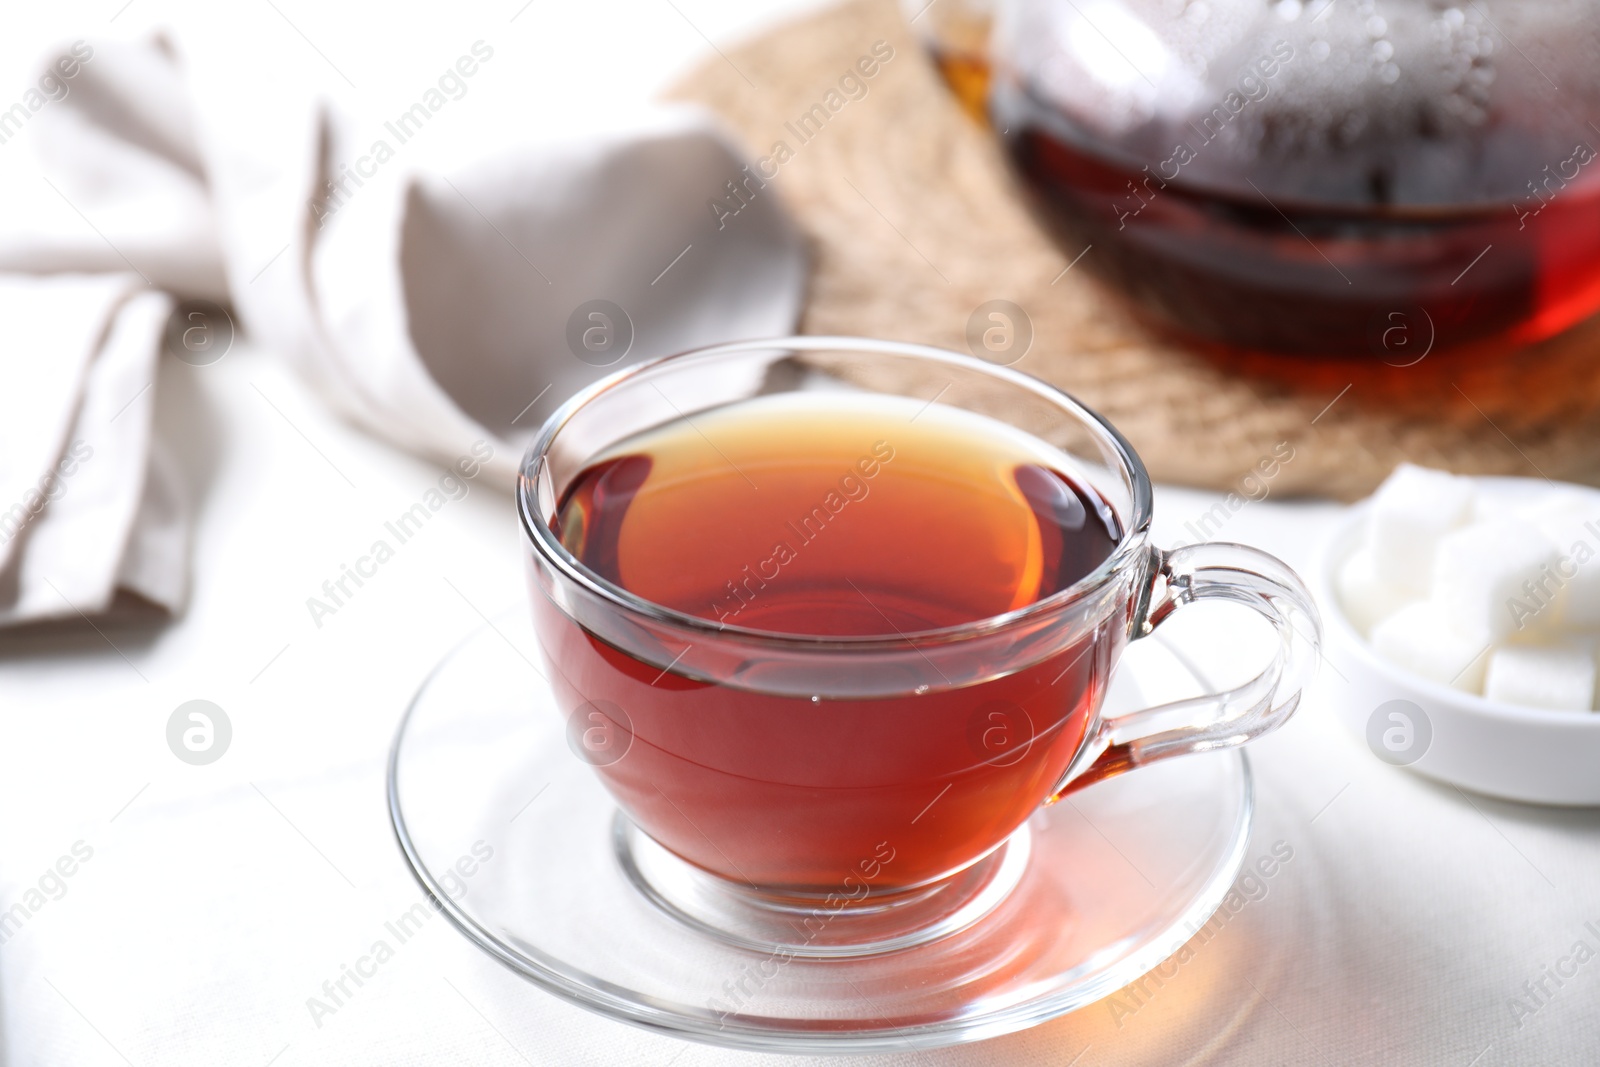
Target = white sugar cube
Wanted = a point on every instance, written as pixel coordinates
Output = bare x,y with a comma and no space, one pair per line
1420,638
1580,601
1558,677
1491,579
1364,596
1554,504
1572,521
1411,511
1491,501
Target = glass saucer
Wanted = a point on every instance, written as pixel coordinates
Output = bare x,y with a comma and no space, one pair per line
514,838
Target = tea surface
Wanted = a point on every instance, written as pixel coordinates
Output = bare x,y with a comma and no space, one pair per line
825,514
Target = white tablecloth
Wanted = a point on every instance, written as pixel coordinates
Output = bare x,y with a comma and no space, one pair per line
206,904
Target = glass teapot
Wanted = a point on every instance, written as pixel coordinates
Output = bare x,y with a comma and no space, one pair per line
1302,178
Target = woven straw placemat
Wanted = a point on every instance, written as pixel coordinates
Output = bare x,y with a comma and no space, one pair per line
915,221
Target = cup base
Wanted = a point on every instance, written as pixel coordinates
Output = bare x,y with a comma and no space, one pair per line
522,849
829,927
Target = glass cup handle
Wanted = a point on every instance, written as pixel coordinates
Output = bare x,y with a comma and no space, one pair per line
1214,571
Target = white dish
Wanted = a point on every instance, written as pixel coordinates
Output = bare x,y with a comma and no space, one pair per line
1527,754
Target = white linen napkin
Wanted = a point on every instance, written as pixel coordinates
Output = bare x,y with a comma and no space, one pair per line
436,301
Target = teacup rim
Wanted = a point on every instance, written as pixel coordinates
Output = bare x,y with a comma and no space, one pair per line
1128,548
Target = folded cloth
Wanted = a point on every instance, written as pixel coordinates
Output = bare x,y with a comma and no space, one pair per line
436,301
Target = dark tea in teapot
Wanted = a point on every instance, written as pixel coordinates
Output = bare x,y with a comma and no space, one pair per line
1335,179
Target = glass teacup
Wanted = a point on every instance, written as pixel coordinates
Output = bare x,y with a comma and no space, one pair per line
865,787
